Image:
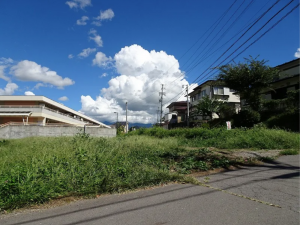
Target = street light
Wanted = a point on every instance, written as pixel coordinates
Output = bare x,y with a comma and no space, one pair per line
117,120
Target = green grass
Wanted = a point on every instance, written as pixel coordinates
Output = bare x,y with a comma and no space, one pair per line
290,152
34,170
257,138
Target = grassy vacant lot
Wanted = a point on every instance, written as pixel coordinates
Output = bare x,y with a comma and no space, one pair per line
34,170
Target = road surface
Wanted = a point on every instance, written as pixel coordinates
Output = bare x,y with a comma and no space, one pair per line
246,196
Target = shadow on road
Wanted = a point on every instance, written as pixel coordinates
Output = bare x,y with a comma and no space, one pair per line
269,167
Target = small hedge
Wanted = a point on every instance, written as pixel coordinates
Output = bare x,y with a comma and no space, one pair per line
246,118
287,120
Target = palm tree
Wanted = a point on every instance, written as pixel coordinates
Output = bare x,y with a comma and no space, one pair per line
207,106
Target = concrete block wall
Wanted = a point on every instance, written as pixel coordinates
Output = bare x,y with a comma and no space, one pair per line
15,132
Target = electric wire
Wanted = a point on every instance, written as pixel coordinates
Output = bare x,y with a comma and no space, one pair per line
239,38
196,58
250,37
224,14
266,32
248,40
248,24
219,39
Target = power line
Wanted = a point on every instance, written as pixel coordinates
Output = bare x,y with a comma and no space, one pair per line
220,19
217,34
220,38
251,36
249,39
217,22
248,24
266,32
239,38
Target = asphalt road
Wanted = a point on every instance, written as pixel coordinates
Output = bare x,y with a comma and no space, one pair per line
273,184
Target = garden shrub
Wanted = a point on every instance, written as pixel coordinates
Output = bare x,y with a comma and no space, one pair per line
288,120
246,118
219,122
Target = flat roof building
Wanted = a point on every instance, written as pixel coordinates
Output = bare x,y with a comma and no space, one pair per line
41,110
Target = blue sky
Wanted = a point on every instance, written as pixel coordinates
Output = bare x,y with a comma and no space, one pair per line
99,54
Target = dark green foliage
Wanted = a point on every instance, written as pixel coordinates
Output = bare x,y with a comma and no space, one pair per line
3,142
248,79
290,152
290,103
227,111
246,118
198,160
218,122
206,107
287,120
205,125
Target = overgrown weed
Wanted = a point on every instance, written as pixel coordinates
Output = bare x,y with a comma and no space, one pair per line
34,170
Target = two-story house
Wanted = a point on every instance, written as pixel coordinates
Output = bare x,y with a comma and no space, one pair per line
288,81
214,89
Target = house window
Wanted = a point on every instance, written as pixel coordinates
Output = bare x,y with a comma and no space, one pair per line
290,89
267,97
218,91
203,93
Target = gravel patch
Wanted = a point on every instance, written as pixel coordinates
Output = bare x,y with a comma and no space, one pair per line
257,154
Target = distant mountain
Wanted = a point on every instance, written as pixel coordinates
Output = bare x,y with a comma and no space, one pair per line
131,124
140,125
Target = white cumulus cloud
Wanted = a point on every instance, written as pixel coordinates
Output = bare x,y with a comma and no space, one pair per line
9,89
79,3
63,98
70,56
104,75
28,93
106,15
297,53
38,85
96,38
97,23
2,73
86,52
141,74
5,61
31,71
82,21
101,60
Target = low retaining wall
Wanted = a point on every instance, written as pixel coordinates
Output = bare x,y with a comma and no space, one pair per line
14,132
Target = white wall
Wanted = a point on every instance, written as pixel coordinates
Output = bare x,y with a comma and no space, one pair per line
15,132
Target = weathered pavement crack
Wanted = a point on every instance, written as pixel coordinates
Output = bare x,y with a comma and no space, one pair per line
241,196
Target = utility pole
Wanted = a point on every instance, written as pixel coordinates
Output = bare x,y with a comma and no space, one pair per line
126,125
157,114
117,120
187,104
161,101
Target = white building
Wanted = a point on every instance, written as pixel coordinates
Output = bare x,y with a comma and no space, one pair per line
41,110
212,89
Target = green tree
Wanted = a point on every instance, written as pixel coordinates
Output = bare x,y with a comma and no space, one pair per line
248,79
207,106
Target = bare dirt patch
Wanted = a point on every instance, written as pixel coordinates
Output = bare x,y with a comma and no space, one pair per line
256,154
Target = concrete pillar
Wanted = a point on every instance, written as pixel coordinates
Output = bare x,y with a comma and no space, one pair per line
42,121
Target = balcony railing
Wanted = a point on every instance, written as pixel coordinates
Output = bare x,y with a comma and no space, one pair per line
38,106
